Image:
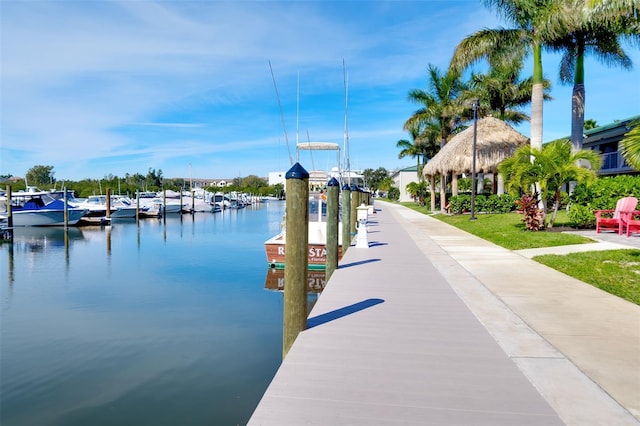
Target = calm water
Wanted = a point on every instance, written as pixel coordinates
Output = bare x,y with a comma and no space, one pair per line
165,324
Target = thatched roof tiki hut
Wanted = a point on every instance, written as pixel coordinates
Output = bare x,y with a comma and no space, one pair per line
495,141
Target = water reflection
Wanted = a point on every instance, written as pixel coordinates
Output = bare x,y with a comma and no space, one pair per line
315,280
163,323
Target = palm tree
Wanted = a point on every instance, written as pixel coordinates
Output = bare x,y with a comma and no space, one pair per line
422,145
443,109
631,146
502,93
597,35
535,23
590,123
553,166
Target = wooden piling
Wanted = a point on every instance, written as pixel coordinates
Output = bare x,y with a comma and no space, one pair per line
355,202
164,205
109,203
9,208
296,255
333,205
9,231
66,209
346,218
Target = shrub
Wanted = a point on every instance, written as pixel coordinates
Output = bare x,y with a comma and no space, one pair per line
605,191
533,216
581,216
393,194
459,204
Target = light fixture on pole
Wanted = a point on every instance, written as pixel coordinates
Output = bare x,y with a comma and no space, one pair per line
473,161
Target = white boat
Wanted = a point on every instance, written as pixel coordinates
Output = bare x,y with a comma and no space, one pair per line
120,206
40,209
317,241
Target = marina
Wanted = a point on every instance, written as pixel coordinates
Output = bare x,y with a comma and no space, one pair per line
168,321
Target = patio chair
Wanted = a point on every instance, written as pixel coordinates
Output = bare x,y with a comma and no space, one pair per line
614,219
631,222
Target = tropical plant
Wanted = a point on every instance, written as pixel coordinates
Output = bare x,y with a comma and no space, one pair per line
597,35
532,216
590,124
422,145
552,167
502,93
630,145
443,107
603,193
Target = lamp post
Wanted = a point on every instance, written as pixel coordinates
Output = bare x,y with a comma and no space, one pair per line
473,161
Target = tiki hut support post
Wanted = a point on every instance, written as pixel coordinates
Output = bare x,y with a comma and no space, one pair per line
432,190
500,189
473,161
454,183
443,192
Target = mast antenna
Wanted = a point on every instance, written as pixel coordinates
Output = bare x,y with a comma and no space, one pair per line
286,138
346,124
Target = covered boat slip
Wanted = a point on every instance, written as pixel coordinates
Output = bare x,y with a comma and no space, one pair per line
393,340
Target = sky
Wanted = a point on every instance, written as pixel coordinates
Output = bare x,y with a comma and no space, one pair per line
224,89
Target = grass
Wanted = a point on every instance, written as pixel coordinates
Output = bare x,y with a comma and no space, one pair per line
614,271
507,230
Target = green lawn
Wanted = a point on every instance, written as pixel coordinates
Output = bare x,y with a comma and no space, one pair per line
614,271
507,230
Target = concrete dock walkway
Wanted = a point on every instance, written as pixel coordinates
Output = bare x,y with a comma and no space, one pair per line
433,326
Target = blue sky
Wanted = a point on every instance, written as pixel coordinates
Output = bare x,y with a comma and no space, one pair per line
99,87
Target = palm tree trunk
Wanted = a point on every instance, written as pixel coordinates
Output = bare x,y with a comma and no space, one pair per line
537,98
577,101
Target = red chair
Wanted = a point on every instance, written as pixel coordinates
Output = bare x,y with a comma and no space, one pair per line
631,222
612,219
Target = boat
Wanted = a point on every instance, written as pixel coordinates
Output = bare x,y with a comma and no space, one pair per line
121,207
40,208
275,246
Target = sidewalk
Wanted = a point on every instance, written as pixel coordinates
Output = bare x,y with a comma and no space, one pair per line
431,325
597,334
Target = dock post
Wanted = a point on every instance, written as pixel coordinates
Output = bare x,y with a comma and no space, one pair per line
164,205
296,255
137,207
9,207
353,220
108,200
346,218
333,205
66,208
9,215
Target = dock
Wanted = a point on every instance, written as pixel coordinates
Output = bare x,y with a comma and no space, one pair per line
433,326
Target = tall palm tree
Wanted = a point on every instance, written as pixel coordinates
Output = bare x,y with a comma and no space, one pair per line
535,23
553,166
443,110
411,148
502,93
442,105
598,35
